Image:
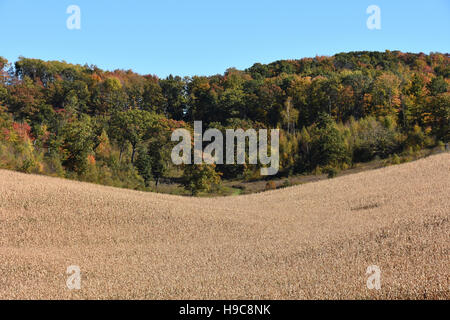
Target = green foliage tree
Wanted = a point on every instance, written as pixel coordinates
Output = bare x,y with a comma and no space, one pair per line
328,146
199,177
174,92
109,96
77,144
439,119
437,86
158,161
152,97
144,164
132,126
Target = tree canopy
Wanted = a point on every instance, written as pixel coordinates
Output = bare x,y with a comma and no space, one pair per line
332,111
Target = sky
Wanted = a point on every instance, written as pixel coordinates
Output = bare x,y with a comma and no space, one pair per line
205,37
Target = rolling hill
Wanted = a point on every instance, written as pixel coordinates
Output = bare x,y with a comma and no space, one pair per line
313,241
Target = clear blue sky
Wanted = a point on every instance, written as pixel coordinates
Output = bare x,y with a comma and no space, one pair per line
205,37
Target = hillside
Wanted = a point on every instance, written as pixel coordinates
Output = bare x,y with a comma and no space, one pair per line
309,241
115,127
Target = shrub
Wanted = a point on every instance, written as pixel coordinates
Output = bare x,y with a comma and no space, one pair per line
200,177
54,166
286,183
440,145
27,166
270,185
396,159
331,172
373,139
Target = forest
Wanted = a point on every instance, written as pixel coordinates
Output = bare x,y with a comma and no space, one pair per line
114,127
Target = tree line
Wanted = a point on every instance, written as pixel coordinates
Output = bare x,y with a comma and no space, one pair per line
114,127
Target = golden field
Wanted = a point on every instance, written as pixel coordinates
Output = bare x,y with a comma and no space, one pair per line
313,241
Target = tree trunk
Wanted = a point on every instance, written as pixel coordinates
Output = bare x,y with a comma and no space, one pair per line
120,153
132,153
